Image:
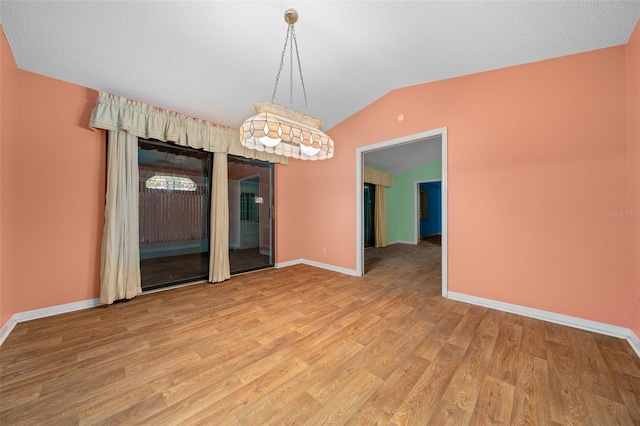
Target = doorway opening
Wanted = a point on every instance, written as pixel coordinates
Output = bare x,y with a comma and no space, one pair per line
360,153
369,208
428,211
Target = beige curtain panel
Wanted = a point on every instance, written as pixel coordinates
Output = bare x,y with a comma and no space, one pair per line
145,121
219,269
120,258
126,121
382,181
380,217
377,177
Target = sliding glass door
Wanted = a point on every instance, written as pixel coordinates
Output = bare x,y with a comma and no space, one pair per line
250,214
175,196
175,199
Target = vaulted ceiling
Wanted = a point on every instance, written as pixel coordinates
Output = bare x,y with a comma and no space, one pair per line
214,59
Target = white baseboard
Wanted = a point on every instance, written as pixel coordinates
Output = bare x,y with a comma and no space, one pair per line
634,341
569,321
288,263
401,242
44,312
8,327
321,265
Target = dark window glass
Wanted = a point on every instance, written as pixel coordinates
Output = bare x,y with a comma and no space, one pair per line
174,213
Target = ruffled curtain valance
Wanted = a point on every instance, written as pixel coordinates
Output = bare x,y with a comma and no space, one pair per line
377,177
145,121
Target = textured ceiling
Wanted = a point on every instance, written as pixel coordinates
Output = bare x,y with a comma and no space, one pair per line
405,157
213,59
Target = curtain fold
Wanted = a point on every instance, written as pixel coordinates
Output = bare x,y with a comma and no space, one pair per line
145,121
120,258
380,217
377,177
219,269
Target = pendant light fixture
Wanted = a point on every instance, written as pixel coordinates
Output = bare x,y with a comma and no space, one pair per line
283,131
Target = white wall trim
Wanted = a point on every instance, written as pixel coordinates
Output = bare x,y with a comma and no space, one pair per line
413,243
634,341
45,312
333,268
6,330
321,265
567,320
442,132
288,263
445,214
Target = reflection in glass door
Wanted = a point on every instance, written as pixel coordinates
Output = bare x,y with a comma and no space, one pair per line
174,213
250,214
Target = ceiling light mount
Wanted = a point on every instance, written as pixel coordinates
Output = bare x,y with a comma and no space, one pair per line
291,16
280,130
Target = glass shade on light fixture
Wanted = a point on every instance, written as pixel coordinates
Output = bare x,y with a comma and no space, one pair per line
270,142
297,135
271,129
309,150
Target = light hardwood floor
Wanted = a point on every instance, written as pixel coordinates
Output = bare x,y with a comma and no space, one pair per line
305,346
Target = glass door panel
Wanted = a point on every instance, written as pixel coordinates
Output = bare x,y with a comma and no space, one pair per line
368,212
175,196
250,221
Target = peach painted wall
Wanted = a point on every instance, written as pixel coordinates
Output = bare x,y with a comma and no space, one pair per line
59,208
289,211
8,129
317,219
633,146
537,153
55,206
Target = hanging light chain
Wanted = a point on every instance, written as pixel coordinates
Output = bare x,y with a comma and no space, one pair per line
284,49
291,40
293,31
304,91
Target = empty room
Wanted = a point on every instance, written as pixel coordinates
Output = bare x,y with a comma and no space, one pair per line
269,213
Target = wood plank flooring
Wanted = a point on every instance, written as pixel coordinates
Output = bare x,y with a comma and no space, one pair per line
305,346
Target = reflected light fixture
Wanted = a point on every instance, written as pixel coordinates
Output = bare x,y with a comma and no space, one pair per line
283,131
171,183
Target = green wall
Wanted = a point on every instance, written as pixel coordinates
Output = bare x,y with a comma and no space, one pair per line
400,200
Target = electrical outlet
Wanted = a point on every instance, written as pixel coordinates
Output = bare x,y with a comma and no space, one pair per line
324,251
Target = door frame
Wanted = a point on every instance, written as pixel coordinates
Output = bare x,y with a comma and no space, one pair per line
442,132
